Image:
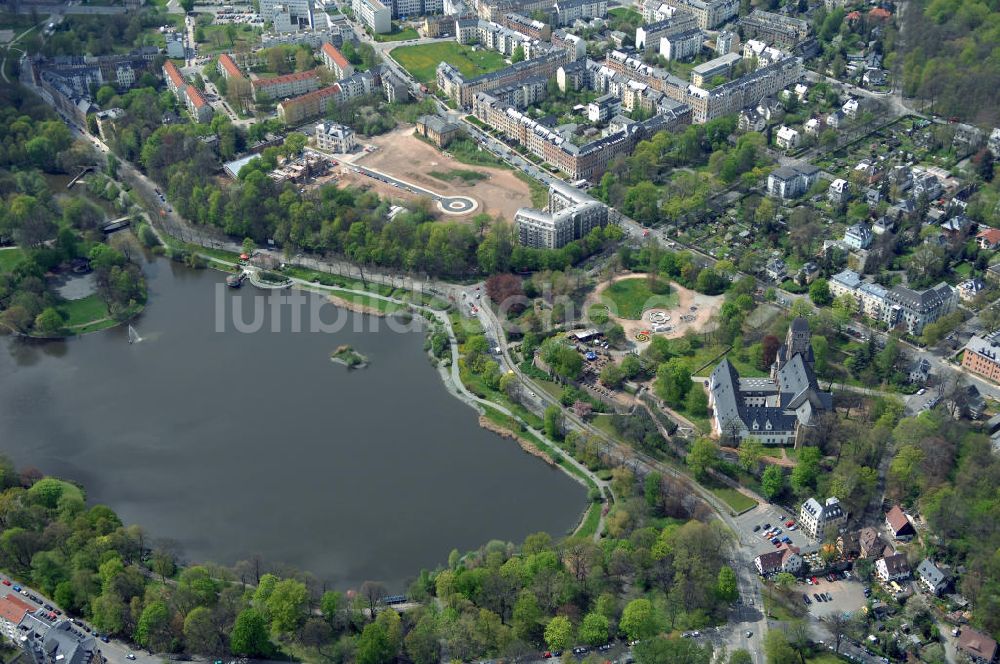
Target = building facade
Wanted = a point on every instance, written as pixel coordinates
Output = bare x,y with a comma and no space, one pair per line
815,518
571,215
373,14
335,138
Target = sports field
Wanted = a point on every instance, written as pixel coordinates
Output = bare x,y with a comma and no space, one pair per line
421,60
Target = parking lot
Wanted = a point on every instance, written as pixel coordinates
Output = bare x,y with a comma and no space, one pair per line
760,517
846,596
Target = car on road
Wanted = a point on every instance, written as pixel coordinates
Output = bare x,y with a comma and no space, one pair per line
130,656
749,634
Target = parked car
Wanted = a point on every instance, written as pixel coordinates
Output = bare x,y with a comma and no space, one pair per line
755,529
817,597
6,582
805,598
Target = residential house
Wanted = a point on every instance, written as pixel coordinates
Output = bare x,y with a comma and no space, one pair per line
920,372
957,227
813,126
437,129
883,225
898,524
781,560
788,138
849,545
892,568
776,269
839,191
870,543
915,309
851,108
858,236
989,238
970,288
932,577
335,61
751,120
815,518
335,138
979,647
845,282
792,181
809,272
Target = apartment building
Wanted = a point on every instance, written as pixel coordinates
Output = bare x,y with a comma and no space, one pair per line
576,46
792,181
647,37
437,129
197,105
982,356
709,13
815,518
570,215
522,94
281,87
403,9
374,14
310,105
776,29
720,66
228,67
394,88
603,108
526,26
335,138
683,45
287,15
568,12
172,77
12,610
497,37
462,91
335,61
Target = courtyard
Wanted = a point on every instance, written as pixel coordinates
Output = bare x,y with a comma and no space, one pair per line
422,60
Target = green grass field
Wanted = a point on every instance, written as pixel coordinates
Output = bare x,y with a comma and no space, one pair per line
9,258
421,60
738,502
466,176
398,35
630,297
84,310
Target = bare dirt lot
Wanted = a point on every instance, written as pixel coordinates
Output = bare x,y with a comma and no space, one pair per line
406,157
706,307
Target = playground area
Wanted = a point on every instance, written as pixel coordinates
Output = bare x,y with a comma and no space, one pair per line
668,315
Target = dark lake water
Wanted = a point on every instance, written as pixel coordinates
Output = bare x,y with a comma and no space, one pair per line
234,444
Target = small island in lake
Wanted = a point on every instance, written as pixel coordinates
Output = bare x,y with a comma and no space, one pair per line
349,357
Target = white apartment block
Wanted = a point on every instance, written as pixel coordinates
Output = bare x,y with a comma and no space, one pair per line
374,14
287,15
815,518
710,13
571,214
681,46
335,138
897,305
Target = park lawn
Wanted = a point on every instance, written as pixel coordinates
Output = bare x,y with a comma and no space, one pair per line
588,527
398,35
216,40
10,258
539,192
738,502
422,60
630,297
466,176
824,658
603,422
85,310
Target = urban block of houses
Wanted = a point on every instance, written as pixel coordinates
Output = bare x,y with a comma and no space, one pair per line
567,12
777,410
462,90
778,29
897,305
288,85
187,94
709,13
648,36
571,214
682,45
12,611
816,518
785,559
792,181
865,543
315,103
892,568
899,524
932,577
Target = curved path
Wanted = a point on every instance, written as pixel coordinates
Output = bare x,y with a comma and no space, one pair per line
447,204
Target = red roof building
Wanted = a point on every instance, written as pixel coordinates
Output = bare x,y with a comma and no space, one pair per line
978,646
197,105
989,238
335,61
292,111
172,76
289,85
898,523
880,14
12,610
227,67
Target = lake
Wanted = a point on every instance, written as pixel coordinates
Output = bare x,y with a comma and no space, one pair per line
235,444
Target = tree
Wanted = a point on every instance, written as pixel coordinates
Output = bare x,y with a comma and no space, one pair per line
517,55
740,656
187,6
287,606
703,455
372,592
249,635
331,604
559,633
594,629
375,645
769,351
49,322
553,423
819,293
751,450
153,629
673,381
777,648
806,470
838,624
639,620
200,633
772,482
726,588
